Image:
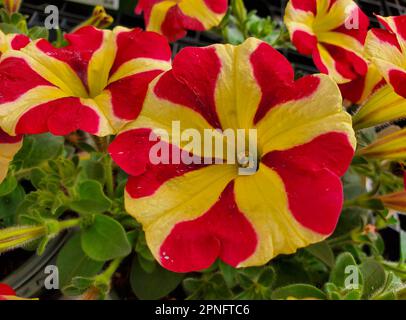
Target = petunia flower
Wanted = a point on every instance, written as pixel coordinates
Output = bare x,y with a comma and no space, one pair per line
359,90
97,83
12,42
333,32
390,147
387,50
174,18
7,293
193,212
9,146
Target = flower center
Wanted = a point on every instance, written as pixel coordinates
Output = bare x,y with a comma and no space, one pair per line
247,161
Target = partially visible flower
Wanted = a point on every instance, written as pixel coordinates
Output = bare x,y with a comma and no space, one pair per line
387,49
390,147
99,19
9,146
194,213
173,18
12,6
97,83
360,89
12,42
7,293
333,32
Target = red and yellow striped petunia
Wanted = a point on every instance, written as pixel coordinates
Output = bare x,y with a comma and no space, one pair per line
334,32
387,49
194,213
97,83
173,18
9,146
12,42
361,89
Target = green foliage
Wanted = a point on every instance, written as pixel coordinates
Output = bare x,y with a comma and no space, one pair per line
238,25
298,291
37,149
61,183
72,262
155,284
17,23
323,252
90,198
105,239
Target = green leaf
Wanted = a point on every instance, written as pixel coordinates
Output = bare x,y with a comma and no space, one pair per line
239,10
8,185
298,291
229,274
345,265
323,252
4,16
39,148
38,32
267,277
155,285
148,265
82,283
16,18
350,219
353,185
105,239
93,170
10,203
91,198
191,285
374,277
36,177
8,28
73,262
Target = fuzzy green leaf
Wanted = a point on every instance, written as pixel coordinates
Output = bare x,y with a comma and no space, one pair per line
105,239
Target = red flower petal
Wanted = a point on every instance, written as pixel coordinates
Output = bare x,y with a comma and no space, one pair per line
311,169
222,232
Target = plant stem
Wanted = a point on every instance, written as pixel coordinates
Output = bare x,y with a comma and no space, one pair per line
108,169
106,275
66,224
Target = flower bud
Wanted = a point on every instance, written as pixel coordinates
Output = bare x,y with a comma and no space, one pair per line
383,106
16,237
390,147
99,19
12,6
395,201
